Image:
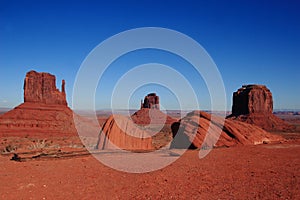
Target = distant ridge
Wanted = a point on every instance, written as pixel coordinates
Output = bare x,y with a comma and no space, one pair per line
4,110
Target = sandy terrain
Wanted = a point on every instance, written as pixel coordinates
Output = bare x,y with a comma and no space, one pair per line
269,171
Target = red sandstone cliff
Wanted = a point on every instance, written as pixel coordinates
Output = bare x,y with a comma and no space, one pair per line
44,110
252,99
41,88
254,104
150,101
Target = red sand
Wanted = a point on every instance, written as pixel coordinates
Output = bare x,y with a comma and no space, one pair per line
268,171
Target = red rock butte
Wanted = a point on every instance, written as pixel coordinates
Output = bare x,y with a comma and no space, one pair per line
252,99
254,104
41,88
146,116
129,133
150,112
150,101
44,111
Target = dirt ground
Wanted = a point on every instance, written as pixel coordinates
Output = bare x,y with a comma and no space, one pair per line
60,168
269,171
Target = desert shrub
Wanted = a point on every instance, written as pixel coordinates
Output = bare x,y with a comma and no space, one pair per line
39,144
9,148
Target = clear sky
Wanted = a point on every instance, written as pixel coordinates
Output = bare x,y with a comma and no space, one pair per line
250,42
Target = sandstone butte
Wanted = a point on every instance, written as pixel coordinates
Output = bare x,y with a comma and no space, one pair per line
146,116
44,111
191,131
254,104
120,132
150,112
151,101
129,133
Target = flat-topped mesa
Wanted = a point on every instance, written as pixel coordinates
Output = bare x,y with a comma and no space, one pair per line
150,101
252,99
254,104
41,88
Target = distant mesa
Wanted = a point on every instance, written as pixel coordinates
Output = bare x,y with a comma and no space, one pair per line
191,131
252,99
150,101
150,112
254,104
146,116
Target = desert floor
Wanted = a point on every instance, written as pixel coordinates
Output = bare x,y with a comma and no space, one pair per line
268,171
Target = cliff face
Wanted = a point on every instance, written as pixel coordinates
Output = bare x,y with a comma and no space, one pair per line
151,101
41,88
44,111
254,104
252,99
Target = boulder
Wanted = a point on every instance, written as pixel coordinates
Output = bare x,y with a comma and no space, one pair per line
191,131
120,132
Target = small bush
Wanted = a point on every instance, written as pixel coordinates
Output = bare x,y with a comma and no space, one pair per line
9,148
39,144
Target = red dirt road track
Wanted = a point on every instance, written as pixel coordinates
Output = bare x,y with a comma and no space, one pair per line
251,172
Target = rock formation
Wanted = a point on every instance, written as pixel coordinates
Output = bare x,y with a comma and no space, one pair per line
146,116
119,132
156,122
254,104
150,101
34,119
150,112
191,131
41,88
44,111
251,99
146,129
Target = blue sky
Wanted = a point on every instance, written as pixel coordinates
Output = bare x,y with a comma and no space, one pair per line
250,42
